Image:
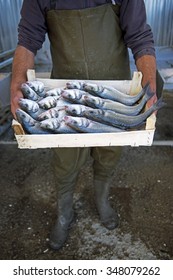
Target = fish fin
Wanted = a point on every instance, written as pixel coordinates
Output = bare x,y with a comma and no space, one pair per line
159,104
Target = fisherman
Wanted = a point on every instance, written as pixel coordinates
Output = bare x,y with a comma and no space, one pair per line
88,40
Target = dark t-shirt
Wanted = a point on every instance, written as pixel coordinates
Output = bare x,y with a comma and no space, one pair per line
137,33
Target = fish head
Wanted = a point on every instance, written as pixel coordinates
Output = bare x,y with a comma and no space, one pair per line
47,102
69,120
72,94
75,84
24,118
28,92
37,86
68,94
92,101
91,87
24,104
51,113
93,112
43,116
74,110
54,92
28,105
50,124
76,122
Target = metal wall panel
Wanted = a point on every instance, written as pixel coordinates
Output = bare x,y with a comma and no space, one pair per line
160,18
9,18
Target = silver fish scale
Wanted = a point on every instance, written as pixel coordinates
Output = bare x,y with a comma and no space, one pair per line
28,105
76,109
114,94
29,92
56,112
106,104
89,126
75,85
56,126
54,92
37,86
47,102
121,120
76,96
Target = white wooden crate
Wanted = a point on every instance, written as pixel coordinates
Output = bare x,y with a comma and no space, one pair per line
129,138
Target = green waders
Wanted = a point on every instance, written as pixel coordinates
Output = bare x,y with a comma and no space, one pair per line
86,44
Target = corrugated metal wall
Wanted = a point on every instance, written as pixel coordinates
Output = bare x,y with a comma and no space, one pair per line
159,15
9,18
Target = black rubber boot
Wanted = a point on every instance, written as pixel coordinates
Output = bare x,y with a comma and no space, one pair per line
60,230
108,216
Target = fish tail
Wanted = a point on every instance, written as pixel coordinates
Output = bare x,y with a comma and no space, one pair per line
145,89
159,104
148,93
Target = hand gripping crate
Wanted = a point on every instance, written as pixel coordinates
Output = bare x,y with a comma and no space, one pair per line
142,137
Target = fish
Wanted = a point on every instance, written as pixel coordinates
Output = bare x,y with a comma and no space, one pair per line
76,109
78,84
121,120
28,92
30,125
112,93
75,96
107,104
56,112
51,102
37,86
31,107
54,92
82,124
47,102
62,102
56,126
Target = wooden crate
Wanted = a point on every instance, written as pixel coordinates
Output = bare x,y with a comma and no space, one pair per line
130,138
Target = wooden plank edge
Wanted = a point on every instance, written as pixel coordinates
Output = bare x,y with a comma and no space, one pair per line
31,75
151,122
18,129
136,86
133,138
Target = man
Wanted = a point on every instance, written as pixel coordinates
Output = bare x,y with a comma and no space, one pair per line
89,40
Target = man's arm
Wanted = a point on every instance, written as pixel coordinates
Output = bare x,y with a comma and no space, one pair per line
23,60
138,37
147,65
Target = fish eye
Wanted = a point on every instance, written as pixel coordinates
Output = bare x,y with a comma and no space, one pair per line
74,111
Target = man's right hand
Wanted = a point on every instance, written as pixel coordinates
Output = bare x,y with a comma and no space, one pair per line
15,96
22,61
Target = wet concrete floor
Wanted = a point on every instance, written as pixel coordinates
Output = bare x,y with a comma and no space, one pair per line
142,191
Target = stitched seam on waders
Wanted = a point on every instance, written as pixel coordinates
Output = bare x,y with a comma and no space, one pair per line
83,41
